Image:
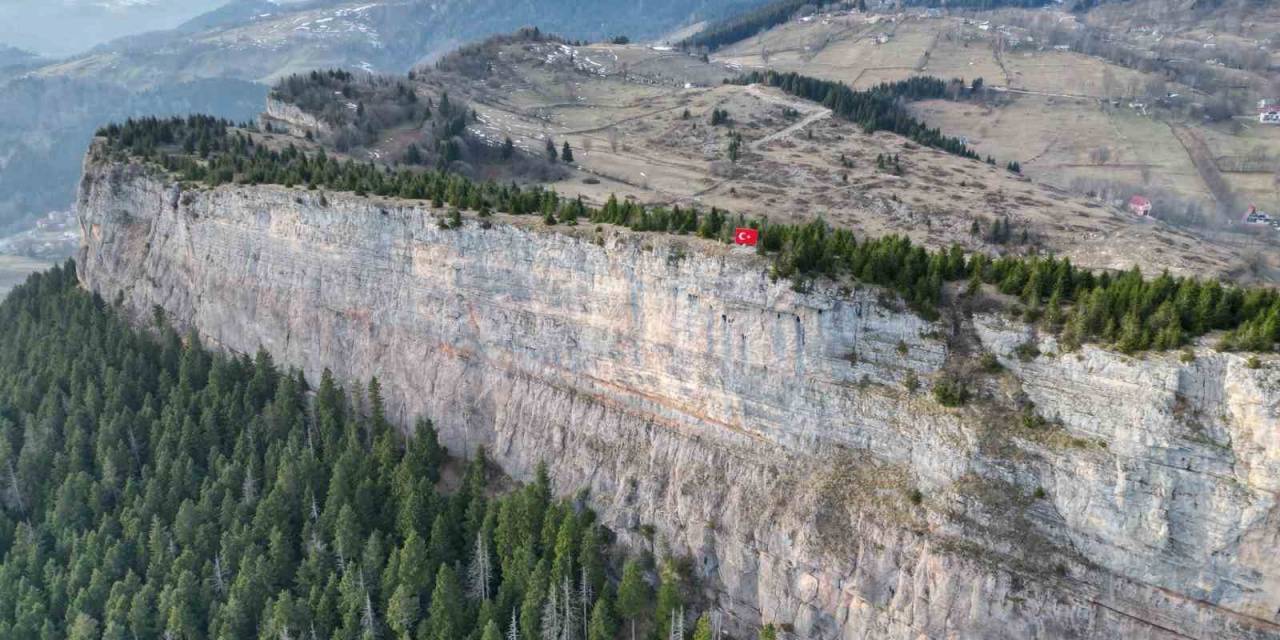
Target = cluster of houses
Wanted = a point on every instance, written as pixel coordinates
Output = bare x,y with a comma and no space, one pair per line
55,236
55,221
1256,217
1269,111
1141,206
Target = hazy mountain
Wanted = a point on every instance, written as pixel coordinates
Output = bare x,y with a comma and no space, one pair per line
261,40
45,124
64,27
13,56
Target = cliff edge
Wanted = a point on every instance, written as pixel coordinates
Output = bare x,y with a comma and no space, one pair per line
787,442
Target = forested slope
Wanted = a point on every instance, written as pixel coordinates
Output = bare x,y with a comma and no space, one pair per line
152,488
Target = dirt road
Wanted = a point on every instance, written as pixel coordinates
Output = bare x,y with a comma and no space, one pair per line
815,114
1202,157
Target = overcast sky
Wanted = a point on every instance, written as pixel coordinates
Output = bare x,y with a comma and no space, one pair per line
64,27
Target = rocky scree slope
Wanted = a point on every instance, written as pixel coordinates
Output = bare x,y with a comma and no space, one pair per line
771,436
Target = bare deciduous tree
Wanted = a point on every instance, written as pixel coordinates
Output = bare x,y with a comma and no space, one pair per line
677,625
585,596
568,618
551,616
513,628
480,573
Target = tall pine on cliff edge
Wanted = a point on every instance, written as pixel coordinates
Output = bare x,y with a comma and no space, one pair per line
150,488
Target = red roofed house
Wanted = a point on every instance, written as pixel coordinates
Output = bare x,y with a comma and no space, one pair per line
1269,111
1139,206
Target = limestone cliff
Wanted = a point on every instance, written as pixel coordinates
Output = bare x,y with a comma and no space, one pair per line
771,435
289,118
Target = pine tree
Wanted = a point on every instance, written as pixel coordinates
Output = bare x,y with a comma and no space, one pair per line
441,549
85,627
669,603
562,567
703,629
415,566
603,626
413,155
633,594
735,146
531,606
566,154
447,607
491,631
1133,336
403,611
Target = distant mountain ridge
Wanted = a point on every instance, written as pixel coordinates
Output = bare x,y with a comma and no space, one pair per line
260,40
65,27
228,14
10,56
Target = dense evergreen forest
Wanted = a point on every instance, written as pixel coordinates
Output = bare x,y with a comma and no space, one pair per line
154,489
1125,310
876,109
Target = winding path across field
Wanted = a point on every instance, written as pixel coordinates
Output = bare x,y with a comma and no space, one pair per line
816,114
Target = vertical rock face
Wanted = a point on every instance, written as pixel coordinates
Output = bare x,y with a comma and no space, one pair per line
772,436
291,119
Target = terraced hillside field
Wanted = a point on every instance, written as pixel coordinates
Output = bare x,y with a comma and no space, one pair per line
1114,123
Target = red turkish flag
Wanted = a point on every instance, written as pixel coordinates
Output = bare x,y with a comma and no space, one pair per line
745,235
